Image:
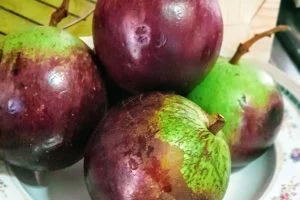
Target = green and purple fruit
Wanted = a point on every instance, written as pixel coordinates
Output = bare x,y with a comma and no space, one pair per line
51,99
158,146
250,102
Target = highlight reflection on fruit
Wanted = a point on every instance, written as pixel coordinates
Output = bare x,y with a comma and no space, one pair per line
52,96
158,146
157,44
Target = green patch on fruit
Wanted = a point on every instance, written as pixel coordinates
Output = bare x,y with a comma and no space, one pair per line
236,82
40,41
206,160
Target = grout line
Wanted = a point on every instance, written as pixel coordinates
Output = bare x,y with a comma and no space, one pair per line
2,33
19,15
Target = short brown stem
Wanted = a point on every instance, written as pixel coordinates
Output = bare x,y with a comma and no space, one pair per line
60,13
216,123
245,47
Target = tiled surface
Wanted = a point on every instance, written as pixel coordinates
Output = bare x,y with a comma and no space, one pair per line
18,14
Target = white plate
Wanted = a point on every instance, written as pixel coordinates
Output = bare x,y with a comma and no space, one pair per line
273,176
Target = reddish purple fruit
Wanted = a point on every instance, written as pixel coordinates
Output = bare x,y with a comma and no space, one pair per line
158,146
52,96
157,44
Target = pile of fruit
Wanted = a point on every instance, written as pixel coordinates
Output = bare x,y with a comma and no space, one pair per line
155,112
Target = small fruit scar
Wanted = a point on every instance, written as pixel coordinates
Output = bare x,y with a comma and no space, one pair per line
142,34
14,106
133,164
243,101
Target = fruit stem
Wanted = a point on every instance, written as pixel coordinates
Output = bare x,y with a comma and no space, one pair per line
60,13
245,47
216,123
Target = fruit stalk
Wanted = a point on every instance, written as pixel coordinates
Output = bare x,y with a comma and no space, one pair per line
216,123
245,47
60,13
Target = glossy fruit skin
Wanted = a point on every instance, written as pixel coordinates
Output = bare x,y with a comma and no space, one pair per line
156,146
250,102
157,44
52,97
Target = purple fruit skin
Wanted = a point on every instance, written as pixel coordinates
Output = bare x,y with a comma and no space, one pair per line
109,148
157,44
253,143
49,108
